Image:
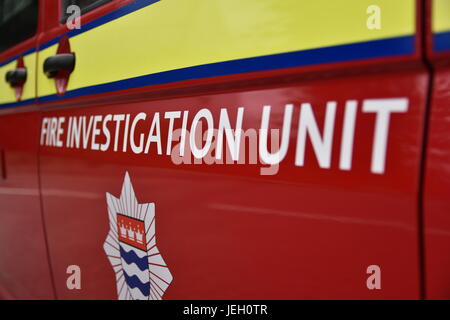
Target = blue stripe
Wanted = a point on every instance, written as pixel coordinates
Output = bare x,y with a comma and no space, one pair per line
134,282
348,52
17,104
131,257
441,41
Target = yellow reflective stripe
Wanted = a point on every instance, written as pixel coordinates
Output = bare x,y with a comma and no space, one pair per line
7,94
173,34
440,20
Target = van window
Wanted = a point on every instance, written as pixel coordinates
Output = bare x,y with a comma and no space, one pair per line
85,6
18,21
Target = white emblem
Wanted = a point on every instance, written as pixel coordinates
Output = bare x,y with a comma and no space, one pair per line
141,272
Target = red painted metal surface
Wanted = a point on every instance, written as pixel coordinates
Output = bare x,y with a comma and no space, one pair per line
436,202
24,262
436,197
227,232
24,265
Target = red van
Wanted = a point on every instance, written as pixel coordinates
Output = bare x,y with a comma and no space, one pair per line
205,149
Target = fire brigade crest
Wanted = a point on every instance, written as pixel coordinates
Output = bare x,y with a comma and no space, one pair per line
141,273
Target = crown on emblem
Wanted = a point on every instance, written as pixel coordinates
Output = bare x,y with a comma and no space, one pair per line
123,231
139,236
130,234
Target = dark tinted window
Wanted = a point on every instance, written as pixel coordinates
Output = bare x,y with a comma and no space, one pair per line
85,6
18,21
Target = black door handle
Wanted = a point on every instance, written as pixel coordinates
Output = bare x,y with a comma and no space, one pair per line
16,76
60,62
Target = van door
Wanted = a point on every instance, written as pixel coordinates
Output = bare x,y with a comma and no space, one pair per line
233,149
436,202
24,266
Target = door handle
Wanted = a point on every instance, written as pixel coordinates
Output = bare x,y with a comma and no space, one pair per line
16,77
63,62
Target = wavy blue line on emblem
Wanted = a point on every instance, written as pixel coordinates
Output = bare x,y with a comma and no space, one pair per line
134,282
131,257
